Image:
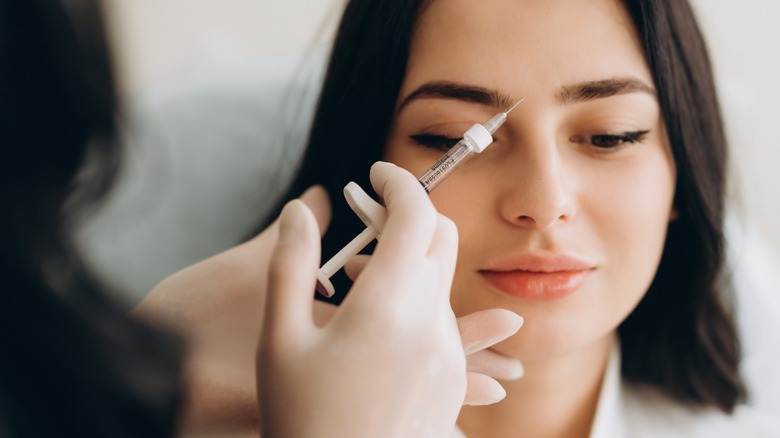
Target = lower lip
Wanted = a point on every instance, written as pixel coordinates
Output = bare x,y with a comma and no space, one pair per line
537,286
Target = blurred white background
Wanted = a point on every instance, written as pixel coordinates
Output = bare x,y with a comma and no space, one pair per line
159,39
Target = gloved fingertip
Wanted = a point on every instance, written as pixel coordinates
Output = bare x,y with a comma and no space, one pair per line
483,390
291,222
513,320
514,370
488,398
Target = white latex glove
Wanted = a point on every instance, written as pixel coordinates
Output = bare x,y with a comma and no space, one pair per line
218,305
390,361
478,331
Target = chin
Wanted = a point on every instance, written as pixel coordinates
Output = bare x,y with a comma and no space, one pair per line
538,343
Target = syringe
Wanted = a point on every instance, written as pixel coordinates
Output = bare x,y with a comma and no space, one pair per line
474,141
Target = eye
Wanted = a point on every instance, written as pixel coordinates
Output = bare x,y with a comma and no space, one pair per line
611,141
433,141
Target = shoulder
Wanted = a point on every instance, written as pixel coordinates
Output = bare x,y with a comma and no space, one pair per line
653,413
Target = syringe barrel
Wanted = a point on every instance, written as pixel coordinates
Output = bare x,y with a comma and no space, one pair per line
475,140
448,163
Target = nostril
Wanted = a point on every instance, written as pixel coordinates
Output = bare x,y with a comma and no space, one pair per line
525,219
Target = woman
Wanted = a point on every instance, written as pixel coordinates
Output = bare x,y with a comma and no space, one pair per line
597,213
74,364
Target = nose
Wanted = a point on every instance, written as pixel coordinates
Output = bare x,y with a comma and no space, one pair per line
538,189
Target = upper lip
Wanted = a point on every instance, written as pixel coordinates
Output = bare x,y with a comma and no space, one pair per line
539,262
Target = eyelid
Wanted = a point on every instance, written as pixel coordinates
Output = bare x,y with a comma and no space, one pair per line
435,141
621,138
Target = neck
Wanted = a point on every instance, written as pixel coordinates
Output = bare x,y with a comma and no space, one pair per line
557,397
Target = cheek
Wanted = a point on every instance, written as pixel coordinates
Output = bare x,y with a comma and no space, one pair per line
413,158
468,199
630,213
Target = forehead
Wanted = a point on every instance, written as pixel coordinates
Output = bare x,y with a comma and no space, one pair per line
521,44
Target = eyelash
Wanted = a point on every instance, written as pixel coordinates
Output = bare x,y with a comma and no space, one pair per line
434,141
606,141
611,141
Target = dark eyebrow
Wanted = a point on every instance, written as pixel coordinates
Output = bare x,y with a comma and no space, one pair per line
457,91
592,90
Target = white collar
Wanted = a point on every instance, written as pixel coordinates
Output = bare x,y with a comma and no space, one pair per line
641,411
610,419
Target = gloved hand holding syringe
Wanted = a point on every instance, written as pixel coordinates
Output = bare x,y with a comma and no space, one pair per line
374,215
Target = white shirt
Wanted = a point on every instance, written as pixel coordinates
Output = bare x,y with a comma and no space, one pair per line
625,410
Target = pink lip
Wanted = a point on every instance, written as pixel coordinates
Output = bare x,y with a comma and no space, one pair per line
538,277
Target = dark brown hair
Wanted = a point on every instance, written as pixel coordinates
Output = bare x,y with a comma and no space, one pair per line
680,338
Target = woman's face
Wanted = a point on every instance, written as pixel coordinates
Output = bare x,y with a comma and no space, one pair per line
563,218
